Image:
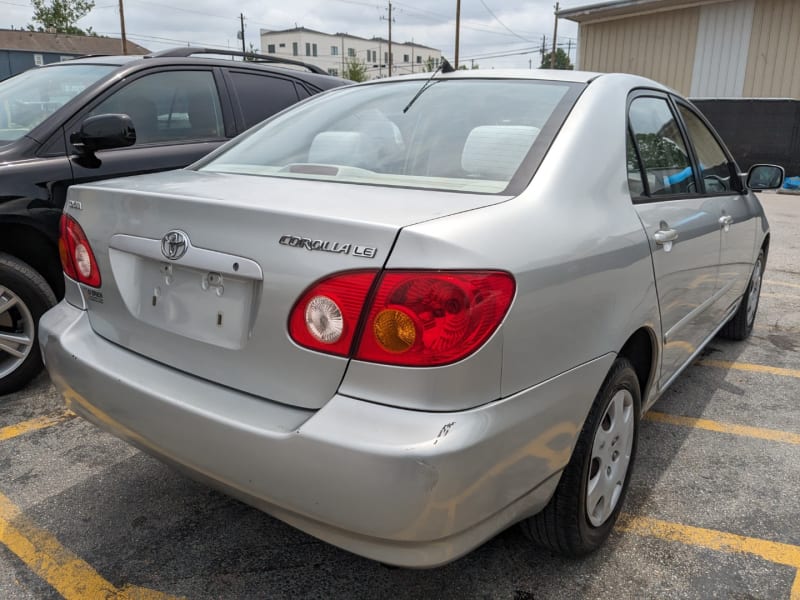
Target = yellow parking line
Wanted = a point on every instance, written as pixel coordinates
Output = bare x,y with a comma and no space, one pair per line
773,435
783,283
12,431
774,552
44,555
726,364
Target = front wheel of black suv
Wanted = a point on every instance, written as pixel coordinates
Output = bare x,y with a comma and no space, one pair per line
24,298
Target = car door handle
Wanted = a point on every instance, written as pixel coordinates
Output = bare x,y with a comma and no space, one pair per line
665,236
725,222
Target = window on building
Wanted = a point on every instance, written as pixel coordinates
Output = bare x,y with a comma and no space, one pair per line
406,58
38,60
665,161
334,72
385,57
281,45
308,49
419,60
294,48
351,52
334,50
63,58
270,48
313,49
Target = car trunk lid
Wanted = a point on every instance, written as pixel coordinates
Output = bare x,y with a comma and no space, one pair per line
245,248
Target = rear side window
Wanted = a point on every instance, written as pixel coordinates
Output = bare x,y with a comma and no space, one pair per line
169,106
665,161
261,96
718,173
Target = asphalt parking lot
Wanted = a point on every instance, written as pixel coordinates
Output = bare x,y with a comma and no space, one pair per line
713,510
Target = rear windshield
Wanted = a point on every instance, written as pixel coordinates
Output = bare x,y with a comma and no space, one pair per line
459,134
30,97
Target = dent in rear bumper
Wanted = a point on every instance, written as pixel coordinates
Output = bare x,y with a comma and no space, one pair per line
405,487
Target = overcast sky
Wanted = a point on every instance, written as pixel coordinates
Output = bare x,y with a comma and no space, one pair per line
488,27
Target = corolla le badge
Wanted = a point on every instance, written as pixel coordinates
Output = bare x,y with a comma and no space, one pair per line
296,241
174,244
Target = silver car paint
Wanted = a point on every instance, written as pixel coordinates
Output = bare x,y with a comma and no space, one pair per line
411,487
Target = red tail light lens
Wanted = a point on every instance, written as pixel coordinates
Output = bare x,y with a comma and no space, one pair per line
77,258
326,316
429,318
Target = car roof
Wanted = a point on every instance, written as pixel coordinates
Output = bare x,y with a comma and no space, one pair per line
323,81
555,75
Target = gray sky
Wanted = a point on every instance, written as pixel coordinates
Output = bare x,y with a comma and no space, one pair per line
488,27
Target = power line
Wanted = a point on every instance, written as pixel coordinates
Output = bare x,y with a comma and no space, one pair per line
495,17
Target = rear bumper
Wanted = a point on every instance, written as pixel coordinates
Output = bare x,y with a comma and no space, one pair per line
411,488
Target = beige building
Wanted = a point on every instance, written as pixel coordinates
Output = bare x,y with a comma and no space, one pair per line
332,51
702,48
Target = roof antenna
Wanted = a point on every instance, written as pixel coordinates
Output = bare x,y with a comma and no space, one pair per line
446,66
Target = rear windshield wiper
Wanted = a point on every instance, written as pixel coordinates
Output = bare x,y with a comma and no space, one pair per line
444,67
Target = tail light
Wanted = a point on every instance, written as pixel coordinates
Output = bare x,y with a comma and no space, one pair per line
77,258
325,318
412,318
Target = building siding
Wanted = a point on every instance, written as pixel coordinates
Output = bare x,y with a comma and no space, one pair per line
773,65
722,48
660,46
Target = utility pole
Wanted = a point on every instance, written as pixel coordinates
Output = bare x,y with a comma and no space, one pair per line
555,37
122,28
390,19
458,27
390,39
241,19
569,49
543,49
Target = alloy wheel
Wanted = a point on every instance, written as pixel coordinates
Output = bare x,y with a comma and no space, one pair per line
17,332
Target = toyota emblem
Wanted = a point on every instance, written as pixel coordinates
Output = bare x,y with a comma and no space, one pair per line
174,244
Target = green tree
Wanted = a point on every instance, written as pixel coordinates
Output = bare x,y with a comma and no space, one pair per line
60,15
562,60
355,70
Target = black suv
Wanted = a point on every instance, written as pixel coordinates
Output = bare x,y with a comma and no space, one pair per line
108,116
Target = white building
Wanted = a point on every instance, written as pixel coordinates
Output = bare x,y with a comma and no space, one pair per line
332,51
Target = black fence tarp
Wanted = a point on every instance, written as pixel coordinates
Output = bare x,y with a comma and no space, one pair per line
757,130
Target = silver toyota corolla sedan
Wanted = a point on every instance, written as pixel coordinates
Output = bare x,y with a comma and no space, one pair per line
404,315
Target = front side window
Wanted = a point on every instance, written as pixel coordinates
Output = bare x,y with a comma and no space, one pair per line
169,106
29,98
665,160
718,174
363,135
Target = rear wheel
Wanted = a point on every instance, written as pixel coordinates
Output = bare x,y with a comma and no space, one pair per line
741,324
24,297
592,489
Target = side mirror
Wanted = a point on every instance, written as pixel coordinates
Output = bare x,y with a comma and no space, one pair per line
765,177
103,132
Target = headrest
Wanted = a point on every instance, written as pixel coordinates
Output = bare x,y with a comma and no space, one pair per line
496,151
337,148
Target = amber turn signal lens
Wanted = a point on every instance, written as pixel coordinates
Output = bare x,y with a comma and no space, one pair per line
394,330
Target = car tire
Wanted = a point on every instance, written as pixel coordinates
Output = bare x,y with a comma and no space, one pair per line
593,486
24,298
741,324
